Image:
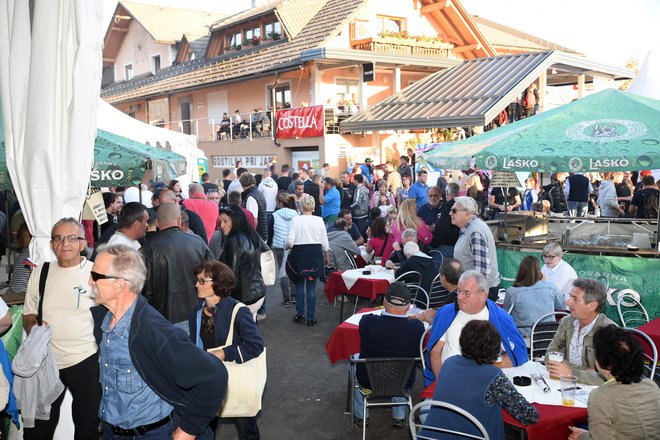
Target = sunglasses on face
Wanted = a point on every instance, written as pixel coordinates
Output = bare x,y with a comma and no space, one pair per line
99,276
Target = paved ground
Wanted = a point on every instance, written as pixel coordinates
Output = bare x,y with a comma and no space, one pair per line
305,395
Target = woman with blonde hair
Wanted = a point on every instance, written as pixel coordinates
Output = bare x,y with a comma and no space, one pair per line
408,219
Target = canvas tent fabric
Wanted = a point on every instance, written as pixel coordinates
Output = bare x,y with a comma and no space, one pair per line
50,76
647,81
607,131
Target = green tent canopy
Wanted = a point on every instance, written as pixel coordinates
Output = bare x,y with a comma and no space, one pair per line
607,131
118,161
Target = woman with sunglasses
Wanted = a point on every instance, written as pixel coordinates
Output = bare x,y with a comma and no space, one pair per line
242,253
209,327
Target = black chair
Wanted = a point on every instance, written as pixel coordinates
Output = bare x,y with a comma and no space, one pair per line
388,377
542,334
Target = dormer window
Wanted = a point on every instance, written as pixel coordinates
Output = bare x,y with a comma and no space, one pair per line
273,30
128,72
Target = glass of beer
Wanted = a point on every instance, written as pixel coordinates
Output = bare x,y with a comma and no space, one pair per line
568,386
555,356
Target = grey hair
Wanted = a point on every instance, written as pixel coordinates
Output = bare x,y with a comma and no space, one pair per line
409,233
478,277
127,264
468,203
554,249
453,189
593,291
67,221
411,248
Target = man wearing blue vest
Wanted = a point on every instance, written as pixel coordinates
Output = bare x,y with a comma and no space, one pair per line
473,303
577,189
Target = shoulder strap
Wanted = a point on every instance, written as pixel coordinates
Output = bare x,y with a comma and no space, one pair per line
387,237
230,337
42,289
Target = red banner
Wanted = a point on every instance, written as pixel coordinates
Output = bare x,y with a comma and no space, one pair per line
300,122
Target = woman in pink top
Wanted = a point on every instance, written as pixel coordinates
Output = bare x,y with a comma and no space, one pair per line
380,242
407,219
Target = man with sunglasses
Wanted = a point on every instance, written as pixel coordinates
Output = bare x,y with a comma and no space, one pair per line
66,302
156,383
475,247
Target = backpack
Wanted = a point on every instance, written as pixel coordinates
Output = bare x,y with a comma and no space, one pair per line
651,205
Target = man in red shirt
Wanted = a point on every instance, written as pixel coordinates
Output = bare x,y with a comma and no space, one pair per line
208,211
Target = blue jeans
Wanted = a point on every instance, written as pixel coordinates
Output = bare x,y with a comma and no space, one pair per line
306,287
398,412
160,433
577,209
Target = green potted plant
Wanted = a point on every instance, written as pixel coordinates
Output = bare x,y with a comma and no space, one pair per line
274,35
256,40
246,42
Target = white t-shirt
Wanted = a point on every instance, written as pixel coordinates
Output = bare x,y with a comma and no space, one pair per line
451,337
67,301
121,238
562,275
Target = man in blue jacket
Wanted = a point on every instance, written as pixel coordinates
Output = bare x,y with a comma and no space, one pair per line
473,303
145,361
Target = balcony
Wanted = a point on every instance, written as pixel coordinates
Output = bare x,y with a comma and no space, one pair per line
404,45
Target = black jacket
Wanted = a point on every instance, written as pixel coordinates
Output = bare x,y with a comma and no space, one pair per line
170,258
262,218
445,232
244,259
195,223
164,358
312,189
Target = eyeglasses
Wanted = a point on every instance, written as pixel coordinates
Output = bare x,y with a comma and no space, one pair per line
70,238
99,276
549,257
465,293
202,281
455,210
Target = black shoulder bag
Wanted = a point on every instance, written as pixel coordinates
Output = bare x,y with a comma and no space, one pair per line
42,289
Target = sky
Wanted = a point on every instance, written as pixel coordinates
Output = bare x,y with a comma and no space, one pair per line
608,31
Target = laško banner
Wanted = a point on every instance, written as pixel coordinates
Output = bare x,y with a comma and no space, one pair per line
300,122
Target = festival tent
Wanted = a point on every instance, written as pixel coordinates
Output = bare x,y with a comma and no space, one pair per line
647,81
607,131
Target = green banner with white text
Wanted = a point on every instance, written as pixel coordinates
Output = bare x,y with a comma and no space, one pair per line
620,275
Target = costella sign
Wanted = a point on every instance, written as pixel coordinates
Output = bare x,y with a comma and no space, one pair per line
300,122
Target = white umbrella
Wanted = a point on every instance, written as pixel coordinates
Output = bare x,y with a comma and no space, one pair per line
647,81
50,76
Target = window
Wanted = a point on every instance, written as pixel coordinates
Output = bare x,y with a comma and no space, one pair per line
282,96
155,64
253,33
235,40
346,90
390,24
273,30
128,72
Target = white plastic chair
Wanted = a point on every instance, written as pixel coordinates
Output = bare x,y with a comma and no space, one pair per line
415,428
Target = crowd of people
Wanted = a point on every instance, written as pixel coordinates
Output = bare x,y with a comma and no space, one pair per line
169,273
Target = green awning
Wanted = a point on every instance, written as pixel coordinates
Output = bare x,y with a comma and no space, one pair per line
607,131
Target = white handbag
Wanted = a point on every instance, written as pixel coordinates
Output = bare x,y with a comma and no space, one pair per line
268,267
246,381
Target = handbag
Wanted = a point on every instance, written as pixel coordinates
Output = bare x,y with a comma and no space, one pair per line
268,267
246,382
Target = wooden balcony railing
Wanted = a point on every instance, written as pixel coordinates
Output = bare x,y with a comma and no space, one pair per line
408,46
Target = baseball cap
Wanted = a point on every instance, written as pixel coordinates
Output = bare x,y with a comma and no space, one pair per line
367,160
398,294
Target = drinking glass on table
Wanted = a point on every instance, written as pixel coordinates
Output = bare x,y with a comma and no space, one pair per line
555,356
568,386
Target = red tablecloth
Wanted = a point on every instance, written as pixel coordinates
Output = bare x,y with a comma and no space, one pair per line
553,420
652,329
344,341
366,288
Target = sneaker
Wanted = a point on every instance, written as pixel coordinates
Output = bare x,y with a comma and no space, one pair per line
300,319
311,322
399,423
293,300
261,317
286,302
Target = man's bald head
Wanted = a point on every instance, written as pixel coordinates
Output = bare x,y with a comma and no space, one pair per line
169,215
167,196
196,188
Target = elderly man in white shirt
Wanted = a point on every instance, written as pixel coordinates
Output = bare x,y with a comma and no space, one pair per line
557,270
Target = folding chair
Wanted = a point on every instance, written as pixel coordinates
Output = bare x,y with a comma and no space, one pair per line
635,315
542,334
415,428
651,362
388,377
438,296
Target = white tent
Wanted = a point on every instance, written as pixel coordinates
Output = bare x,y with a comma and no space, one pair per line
647,81
115,121
50,75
